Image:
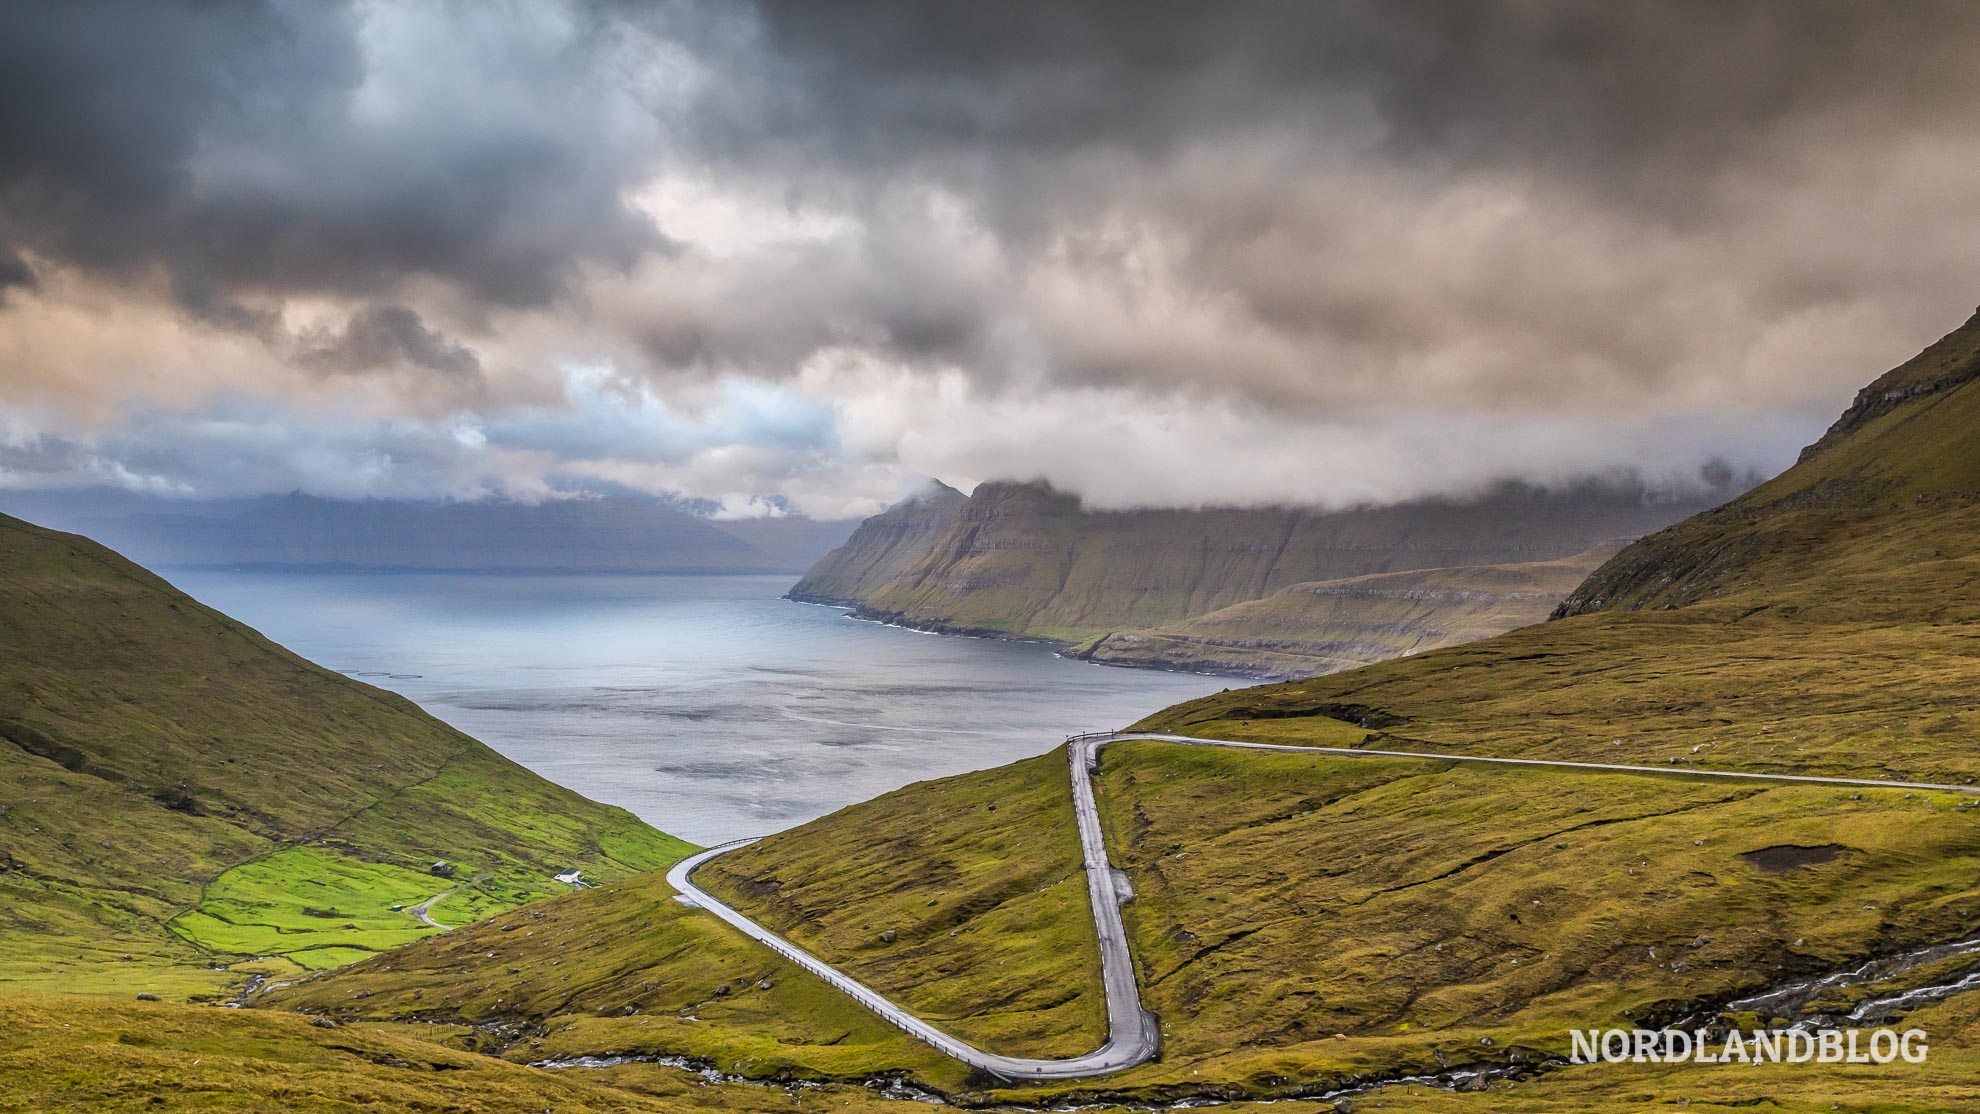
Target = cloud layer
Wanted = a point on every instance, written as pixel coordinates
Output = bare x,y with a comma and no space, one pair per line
1157,254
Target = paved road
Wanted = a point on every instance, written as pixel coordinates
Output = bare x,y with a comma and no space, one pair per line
420,911
1132,1032
1608,767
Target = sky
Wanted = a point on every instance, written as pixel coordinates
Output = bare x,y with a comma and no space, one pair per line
799,255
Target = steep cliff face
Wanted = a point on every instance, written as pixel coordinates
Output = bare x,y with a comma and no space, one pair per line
883,548
1906,443
1307,630
1023,560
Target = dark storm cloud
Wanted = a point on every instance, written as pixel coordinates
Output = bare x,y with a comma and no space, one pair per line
251,150
1595,91
14,272
1292,151
388,336
1357,249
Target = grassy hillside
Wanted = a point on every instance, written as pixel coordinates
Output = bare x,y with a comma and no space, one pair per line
1903,450
1307,923
986,932
1324,627
178,794
977,878
1433,914
1027,561
68,1054
1427,914
882,548
80,1054
624,970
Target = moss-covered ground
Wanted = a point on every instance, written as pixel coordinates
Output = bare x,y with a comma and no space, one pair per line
68,1053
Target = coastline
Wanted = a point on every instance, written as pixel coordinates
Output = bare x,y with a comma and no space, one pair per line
1070,651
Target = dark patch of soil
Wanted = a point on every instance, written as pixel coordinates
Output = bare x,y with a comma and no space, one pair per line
1784,857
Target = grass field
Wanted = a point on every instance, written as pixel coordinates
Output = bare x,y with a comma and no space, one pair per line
305,900
1298,918
1300,921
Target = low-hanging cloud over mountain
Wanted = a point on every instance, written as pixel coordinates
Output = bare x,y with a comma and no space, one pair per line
1158,254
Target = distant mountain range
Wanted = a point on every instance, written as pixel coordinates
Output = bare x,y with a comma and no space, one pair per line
1023,560
605,534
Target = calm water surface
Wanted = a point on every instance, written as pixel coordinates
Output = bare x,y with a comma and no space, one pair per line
705,704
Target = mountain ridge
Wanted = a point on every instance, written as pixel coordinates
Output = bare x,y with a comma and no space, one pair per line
1024,560
1899,444
1318,627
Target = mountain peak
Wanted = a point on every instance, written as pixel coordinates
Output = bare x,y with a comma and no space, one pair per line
1947,362
1009,495
1906,452
932,492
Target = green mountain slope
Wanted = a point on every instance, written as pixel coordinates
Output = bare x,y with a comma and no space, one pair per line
1310,629
1904,451
177,793
975,876
1026,561
69,1053
1304,923
882,548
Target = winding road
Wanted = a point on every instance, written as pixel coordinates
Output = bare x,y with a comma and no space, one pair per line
1132,1032
420,911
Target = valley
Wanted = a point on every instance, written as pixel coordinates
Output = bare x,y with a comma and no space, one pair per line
1078,558
1479,911
1730,765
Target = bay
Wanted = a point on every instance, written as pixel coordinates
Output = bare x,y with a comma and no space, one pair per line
706,705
